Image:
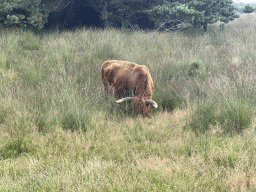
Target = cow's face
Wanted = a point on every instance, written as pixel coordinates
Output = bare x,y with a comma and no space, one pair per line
139,106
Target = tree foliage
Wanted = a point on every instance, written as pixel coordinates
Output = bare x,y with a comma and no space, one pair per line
196,12
175,10
122,13
248,8
23,12
138,12
133,12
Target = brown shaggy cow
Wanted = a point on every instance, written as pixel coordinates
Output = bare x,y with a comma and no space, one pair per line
131,81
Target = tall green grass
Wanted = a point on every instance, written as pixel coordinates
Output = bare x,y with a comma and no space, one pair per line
59,132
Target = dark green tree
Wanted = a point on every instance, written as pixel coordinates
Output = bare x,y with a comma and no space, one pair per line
133,12
29,12
199,13
23,12
174,10
217,10
103,7
248,8
124,13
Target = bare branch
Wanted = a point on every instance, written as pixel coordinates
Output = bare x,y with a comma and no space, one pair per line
61,4
57,5
171,25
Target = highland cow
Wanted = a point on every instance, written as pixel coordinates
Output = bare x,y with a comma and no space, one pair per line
131,82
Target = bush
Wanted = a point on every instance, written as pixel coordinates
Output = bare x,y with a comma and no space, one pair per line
248,8
195,68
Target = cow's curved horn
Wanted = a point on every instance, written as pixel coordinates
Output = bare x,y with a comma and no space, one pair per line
124,99
149,101
152,102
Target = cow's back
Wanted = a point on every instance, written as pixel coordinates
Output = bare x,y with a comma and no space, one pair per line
127,77
109,70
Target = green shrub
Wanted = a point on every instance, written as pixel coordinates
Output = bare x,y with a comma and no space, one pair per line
195,68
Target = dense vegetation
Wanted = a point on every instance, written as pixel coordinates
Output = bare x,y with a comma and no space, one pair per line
58,132
240,6
249,8
120,13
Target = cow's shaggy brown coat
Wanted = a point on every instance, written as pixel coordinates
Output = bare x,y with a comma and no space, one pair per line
129,80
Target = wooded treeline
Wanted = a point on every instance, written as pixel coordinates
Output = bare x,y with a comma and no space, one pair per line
135,14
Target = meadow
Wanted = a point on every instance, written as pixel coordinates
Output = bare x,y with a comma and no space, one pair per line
59,132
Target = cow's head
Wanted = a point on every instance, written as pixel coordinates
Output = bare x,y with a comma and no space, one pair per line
139,105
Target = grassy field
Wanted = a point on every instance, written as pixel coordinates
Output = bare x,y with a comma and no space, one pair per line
58,131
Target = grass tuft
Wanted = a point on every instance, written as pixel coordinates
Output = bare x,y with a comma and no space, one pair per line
15,147
28,40
233,116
